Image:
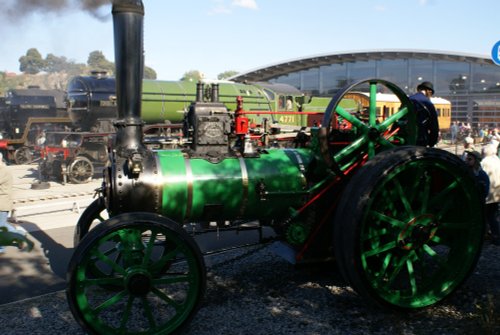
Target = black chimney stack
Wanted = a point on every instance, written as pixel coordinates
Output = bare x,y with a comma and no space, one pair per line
199,92
128,17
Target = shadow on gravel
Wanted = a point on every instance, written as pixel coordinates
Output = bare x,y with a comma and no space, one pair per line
28,274
32,172
261,294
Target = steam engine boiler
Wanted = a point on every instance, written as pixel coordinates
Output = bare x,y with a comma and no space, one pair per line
404,223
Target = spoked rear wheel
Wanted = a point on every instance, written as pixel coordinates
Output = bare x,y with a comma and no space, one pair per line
150,280
408,230
356,126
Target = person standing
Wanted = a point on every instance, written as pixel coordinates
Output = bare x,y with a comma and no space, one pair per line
491,165
454,132
468,147
427,118
6,199
473,161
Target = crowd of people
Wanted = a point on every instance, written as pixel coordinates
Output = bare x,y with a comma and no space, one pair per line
485,164
481,133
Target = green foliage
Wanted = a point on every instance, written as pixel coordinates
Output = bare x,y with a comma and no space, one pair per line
58,70
149,73
7,82
59,66
54,63
32,62
97,61
226,74
193,75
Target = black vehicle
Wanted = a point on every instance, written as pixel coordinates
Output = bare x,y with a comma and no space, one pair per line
74,156
90,100
19,105
25,114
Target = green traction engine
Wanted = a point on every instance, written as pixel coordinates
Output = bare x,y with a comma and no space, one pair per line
403,223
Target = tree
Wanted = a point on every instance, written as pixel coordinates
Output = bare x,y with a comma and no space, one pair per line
149,73
193,75
58,64
97,61
226,74
32,62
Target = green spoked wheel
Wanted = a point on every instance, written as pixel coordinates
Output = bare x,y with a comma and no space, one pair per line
93,215
409,227
150,280
356,127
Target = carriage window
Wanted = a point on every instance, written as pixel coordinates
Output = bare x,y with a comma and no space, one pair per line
270,95
282,102
289,103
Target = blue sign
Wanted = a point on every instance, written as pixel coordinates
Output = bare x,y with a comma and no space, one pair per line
495,53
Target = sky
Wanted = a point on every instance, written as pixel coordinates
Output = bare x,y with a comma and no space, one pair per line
214,36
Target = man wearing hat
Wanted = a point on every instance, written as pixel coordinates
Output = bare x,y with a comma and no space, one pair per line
468,146
473,161
428,125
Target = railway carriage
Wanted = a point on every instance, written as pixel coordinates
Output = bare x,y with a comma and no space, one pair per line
388,104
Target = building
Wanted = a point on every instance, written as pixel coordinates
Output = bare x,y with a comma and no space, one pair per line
470,82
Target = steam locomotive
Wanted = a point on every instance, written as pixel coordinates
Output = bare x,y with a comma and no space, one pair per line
91,101
25,115
19,105
404,223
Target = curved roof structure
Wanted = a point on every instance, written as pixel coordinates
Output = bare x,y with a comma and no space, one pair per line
272,71
470,82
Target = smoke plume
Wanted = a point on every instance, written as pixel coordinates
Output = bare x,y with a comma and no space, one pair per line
20,9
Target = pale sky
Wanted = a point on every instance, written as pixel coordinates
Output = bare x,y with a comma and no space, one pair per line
214,36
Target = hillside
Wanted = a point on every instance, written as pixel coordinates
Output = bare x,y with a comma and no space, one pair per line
54,80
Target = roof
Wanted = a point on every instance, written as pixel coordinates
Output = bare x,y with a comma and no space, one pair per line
274,70
389,97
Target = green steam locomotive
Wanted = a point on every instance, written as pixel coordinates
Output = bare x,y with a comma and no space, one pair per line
91,101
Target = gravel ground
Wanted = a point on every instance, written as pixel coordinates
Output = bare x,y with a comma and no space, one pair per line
252,291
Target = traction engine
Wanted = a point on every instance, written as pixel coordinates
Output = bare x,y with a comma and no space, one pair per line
404,223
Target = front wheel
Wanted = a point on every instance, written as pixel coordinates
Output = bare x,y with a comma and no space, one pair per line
136,273
80,170
23,155
409,228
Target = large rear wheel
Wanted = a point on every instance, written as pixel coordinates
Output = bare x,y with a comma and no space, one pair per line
136,273
409,227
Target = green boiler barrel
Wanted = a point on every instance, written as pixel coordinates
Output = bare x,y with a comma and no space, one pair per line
195,189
